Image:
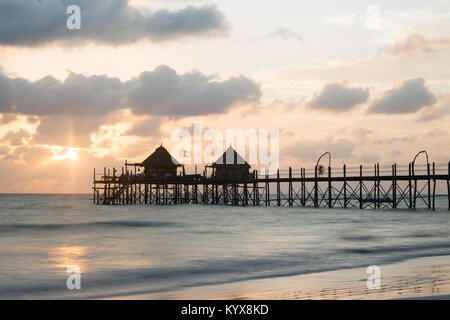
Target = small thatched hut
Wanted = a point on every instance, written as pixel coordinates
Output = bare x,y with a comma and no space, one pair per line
160,164
231,166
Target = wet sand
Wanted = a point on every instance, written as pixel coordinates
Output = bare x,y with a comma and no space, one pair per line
423,278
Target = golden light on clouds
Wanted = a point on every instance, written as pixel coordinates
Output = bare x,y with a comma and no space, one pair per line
67,153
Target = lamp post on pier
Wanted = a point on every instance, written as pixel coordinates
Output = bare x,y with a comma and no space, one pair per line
316,186
415,180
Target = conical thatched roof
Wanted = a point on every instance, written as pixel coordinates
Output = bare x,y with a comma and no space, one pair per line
231,158
160,158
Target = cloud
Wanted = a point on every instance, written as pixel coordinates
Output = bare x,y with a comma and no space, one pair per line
8,118
164,92
112,22
158,92
286,34
339,97
67,130
361,135
145,128
70,111
416,43
396,140
435,133
16,138
76,95
438,111
371,71
4,150
409,97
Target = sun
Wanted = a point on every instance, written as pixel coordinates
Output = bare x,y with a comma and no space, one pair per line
69,153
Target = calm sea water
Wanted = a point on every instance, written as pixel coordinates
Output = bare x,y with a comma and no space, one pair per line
150,249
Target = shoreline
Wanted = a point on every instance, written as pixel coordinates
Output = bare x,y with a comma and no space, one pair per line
417,278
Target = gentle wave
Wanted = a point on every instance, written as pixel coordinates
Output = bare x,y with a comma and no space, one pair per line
400,248
63,226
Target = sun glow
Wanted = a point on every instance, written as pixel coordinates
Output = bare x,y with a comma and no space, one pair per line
67,153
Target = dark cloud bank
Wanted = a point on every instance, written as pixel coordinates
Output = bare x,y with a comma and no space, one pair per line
72,109
114,22
159,92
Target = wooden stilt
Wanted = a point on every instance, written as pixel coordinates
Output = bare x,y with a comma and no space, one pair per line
374,197
360,187
448,185
378,186
267,189
345,186
290,188
410,188
429,185
434,186
278,188
394,186
303,191
330,204
316,191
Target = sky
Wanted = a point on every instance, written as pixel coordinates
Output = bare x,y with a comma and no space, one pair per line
368,81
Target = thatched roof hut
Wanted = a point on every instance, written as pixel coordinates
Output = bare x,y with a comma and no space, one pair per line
160,163
231,166
230,159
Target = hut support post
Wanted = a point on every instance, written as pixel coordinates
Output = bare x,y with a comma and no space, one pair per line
410,188
434,186
360,187
330,204
316,195
345,186
394,186
290,187
146,193
378,186
429,185
302,191
268,190
245,194
374,197
415,187
278,188
448,185
255,189
217,193
94,188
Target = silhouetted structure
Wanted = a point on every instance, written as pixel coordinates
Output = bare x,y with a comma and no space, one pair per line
231,182
160,165
231,167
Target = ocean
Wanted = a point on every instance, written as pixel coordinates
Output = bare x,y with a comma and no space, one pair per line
130,250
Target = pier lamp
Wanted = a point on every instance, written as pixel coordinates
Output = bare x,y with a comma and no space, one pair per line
329,159
415,181
414,161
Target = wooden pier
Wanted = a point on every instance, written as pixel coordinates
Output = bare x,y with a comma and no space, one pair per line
411,186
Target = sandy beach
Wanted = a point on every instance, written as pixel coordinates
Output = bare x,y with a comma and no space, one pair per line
421,278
